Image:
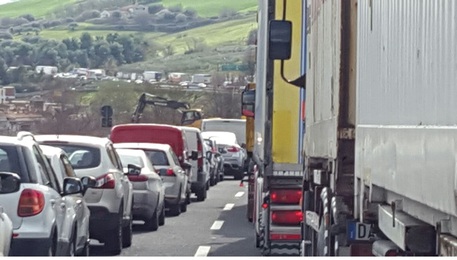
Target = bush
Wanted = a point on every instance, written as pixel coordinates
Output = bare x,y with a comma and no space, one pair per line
153,9
88,15
180,18
6,36
176,9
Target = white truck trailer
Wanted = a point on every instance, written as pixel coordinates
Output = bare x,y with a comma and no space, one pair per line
381,127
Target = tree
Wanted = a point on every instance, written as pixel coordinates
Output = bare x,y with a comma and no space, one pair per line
86,41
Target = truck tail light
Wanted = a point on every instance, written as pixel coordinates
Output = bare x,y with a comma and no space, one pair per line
138,178
31,203
105,182
287,217
233,149
286,196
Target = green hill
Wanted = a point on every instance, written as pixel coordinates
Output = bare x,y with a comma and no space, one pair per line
205,8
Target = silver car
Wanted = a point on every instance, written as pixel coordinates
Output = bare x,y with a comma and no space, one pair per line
110,201
175,179
75,229
234,155
148,188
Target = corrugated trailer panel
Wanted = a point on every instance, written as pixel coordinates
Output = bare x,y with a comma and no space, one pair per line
286,97
323,79
406,136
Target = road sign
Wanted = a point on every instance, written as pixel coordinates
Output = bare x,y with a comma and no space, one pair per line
107,122
107,111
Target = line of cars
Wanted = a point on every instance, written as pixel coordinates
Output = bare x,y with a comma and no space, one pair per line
59,192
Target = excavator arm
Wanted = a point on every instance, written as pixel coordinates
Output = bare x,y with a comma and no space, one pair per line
153,100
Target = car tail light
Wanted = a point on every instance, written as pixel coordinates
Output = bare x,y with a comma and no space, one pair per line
31,203
170,172
105,182
290,196
200,155
138,178
233,149
287,217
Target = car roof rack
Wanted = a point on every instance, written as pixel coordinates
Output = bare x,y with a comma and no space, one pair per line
22,134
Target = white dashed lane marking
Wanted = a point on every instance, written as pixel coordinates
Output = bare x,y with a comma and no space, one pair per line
228,206
239,194
202,251
217,225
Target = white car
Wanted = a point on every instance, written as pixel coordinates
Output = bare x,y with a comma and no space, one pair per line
6,229
36,200
148,188
110,201
234,155
75,227
175,179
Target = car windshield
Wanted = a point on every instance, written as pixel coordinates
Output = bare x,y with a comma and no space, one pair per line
127,159
157,157
81,157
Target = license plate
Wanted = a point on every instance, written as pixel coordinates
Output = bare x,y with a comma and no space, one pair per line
358,231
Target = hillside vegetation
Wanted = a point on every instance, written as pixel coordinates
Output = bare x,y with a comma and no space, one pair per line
205,8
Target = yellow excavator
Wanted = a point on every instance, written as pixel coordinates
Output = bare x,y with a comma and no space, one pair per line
190,116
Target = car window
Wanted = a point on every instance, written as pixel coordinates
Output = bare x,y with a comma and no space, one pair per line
157,157
66,167
46,171
114,157
81,157
9,160
175,158
127,159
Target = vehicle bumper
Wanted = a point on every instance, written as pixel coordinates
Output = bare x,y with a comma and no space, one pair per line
101,221
30,246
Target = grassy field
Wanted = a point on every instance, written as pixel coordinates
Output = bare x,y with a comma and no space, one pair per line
38,8
234,31
208,8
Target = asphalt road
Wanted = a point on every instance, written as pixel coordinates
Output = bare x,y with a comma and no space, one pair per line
215,227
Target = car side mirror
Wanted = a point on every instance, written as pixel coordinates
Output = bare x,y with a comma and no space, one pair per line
88,182
133,169
72,185
9,182
194,155
209,155
187,166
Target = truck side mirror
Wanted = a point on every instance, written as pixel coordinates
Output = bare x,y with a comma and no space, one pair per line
280,40
248,103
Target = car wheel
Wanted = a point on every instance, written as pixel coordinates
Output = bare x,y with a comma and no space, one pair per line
184,206
207,185
153,223
127,233
221,176
52,250
201,196
113,243
175,210
72,246
188,194
212,180
162,216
